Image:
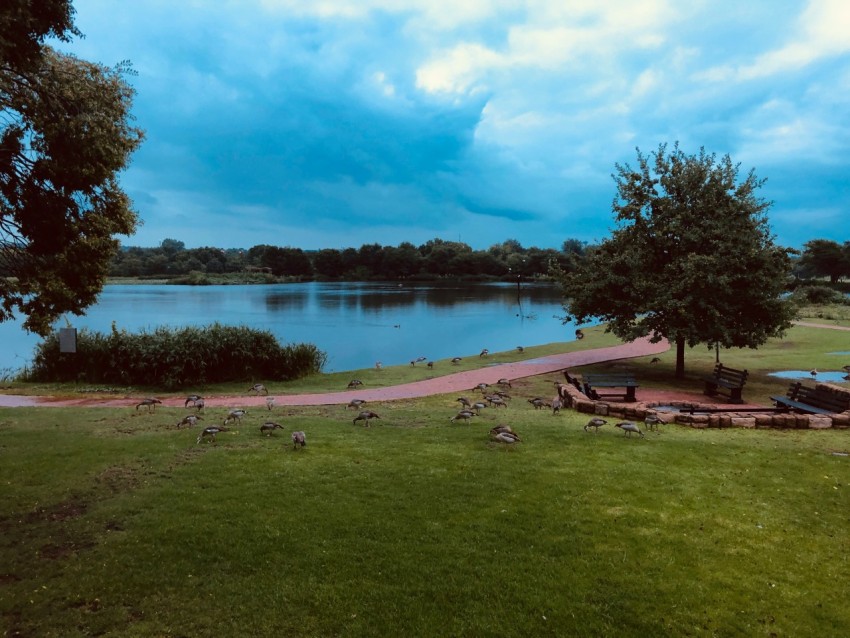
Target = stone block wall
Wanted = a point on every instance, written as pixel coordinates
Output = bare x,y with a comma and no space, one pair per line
639,411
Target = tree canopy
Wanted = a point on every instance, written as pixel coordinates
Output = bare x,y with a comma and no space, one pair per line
692,258
826,258
65,134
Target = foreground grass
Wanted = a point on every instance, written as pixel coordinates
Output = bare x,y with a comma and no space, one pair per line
117,523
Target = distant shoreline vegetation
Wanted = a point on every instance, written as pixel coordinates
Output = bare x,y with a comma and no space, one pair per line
171,262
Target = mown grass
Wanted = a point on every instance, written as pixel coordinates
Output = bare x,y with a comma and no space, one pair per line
117,523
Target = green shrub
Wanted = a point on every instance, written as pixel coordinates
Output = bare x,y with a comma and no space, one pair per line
819,295
171,358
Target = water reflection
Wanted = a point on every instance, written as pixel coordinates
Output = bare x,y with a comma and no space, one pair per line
355,323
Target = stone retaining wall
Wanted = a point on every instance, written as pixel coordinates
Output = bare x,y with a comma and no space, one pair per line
639,411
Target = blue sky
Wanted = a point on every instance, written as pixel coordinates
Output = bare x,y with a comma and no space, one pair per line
334,123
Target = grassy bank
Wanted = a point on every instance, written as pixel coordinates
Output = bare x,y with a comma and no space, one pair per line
119,523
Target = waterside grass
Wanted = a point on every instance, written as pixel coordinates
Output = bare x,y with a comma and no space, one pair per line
118,523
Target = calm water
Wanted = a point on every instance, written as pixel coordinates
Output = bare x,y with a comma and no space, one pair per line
355,323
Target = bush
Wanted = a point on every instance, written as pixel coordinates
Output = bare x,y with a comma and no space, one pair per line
171,358
819,295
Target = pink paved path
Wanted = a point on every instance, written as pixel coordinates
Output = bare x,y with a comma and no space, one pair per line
461,381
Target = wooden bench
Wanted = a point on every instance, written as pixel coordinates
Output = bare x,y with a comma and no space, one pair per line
726,380
813,400
612,380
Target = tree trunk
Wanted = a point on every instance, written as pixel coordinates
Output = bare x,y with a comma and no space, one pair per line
680,357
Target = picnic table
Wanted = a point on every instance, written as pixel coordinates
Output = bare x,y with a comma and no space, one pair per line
625,381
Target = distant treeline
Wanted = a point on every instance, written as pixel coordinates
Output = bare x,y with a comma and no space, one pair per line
436,258
819,259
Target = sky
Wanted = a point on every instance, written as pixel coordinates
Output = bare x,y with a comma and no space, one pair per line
337,123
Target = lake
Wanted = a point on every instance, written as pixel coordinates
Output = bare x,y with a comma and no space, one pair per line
357,324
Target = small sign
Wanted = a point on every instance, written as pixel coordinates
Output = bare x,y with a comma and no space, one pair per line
67,340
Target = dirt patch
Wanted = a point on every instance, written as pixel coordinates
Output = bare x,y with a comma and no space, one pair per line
118,478
72,508
58,551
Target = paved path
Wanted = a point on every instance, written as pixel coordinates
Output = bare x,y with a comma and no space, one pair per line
459,382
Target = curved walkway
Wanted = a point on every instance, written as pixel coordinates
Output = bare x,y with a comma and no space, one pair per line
459,382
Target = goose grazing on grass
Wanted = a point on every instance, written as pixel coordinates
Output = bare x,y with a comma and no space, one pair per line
501,428
652,422
595,423
628,427
299,439
430,365
496,401
355,403
520,349
484,352
235,415
504,382
259,388
463,415
481,386
456,360
190,419
210,432
539,403
150,403
193,399
269,402
355,383
478,406
655,360
269,427
199,404
464,402
366,415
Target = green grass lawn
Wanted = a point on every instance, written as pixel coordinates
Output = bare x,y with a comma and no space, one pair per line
116,523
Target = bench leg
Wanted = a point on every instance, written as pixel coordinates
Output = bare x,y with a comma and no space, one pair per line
630,395
735,395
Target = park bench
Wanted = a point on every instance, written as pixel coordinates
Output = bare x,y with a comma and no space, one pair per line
626,382
727,381
813,400
573,381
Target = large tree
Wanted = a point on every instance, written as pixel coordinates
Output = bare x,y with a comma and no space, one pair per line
691,259
65,134
826,258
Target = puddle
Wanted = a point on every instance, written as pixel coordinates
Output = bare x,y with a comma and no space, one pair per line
828,376
843,353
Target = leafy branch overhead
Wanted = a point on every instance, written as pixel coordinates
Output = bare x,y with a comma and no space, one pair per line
65,134
692,258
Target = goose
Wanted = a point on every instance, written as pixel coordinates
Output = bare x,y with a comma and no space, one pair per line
299,439
378,365
190,419
539,403
501,428
478,406
235,415
421,359
595,423
259,388
507,437
502,394
481,386
496,401
579,334
520,349
456,360
355,383
505,382
355,403
199,404
269,402
464,415
210,432
655,360
628,427
193,399
813,372
150,403
431,365
270,426
464,402
652,422
557,404
845,368
484,352
366,415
